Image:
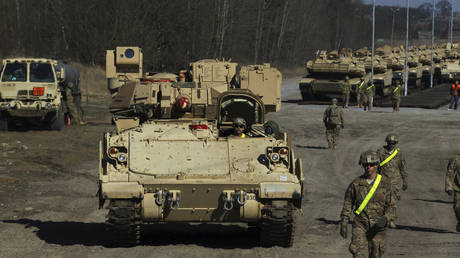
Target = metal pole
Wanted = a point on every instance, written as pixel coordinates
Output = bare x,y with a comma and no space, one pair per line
373,37
452,22
407,47
393,25
432,43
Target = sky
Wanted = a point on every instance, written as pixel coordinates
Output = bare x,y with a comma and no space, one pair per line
412,3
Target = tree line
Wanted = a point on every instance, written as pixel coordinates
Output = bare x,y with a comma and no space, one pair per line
173,33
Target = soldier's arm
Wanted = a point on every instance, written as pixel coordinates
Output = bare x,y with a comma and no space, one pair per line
348,203
450,175
325,115
402,168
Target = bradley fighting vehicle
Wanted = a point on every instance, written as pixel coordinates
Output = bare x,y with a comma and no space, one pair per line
173,158
30,93
327,73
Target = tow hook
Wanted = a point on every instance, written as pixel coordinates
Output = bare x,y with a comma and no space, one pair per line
227,197
241,197
160,197
174,199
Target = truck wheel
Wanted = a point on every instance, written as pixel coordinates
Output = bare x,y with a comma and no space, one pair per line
278,226
123,225
58,122
3,124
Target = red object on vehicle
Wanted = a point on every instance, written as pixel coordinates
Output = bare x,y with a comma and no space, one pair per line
67,120
39,91
199,127
183,102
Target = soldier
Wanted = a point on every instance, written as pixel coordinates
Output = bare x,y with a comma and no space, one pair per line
393,165
396,94
333,118
368,95
370,198
239,125
358,93
453,185
71,85
346,88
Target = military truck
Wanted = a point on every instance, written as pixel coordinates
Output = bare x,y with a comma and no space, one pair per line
173,158
30,93
326,74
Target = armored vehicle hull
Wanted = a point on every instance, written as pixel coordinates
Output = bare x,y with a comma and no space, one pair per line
382,82
30,93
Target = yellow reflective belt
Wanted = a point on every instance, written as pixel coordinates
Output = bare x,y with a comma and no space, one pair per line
369,195
361,85
370,87
396,89
243,135
389,157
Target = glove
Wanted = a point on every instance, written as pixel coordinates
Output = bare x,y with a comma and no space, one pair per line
404,187
380,224
450,192
343,228
342,126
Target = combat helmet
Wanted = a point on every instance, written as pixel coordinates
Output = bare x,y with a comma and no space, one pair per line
369,157
334,101
239,121
391,138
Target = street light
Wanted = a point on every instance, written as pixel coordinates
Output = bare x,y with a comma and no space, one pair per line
432,43
407,48
394,10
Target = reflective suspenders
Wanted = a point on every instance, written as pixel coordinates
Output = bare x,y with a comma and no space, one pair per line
389,157
396,89
369,195
361,85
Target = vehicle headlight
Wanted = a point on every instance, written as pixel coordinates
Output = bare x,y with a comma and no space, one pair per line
274,157
122,157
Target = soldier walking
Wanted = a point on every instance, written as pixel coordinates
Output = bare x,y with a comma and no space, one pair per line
359,89
333,120
346,88
396,94
368,95
393,165
369,197
453,185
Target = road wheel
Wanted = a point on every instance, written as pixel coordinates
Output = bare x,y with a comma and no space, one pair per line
278,225
123,223
4,124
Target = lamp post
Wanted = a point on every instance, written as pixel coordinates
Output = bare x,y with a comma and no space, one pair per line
432,43
394,10
407,47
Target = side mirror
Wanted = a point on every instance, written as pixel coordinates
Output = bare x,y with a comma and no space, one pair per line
60,74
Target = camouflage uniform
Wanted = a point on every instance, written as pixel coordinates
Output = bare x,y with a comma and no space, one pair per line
453,185
367,95
396,95
346,88
395,170
364,234
332,130
72,89
359,89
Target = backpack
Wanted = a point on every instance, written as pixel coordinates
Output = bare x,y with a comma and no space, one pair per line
333,116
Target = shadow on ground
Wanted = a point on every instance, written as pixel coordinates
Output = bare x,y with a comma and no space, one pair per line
436,201
311,147
67,233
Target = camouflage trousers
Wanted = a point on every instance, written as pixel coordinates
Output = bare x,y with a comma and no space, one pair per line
457,205
397,194
358,100
364,239
367,102
73,109
332,136
395,103
346,98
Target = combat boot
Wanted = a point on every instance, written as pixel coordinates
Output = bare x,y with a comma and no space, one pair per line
392,224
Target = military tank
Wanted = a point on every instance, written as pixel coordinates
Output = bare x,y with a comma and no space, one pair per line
450,71
30,93
173,157
326,74
382,72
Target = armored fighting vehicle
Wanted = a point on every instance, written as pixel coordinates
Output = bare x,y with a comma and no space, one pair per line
30,93
173,156
425,60
326,74
382,73
450,71
415,69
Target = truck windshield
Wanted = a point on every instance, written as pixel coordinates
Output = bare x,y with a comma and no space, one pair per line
15,72
41,72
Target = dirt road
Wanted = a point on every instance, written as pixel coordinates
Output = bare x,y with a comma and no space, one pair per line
48,185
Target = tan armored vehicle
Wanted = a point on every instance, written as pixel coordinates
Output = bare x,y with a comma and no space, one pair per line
30,93
383,75
326,74
174,156
415,69
450,71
